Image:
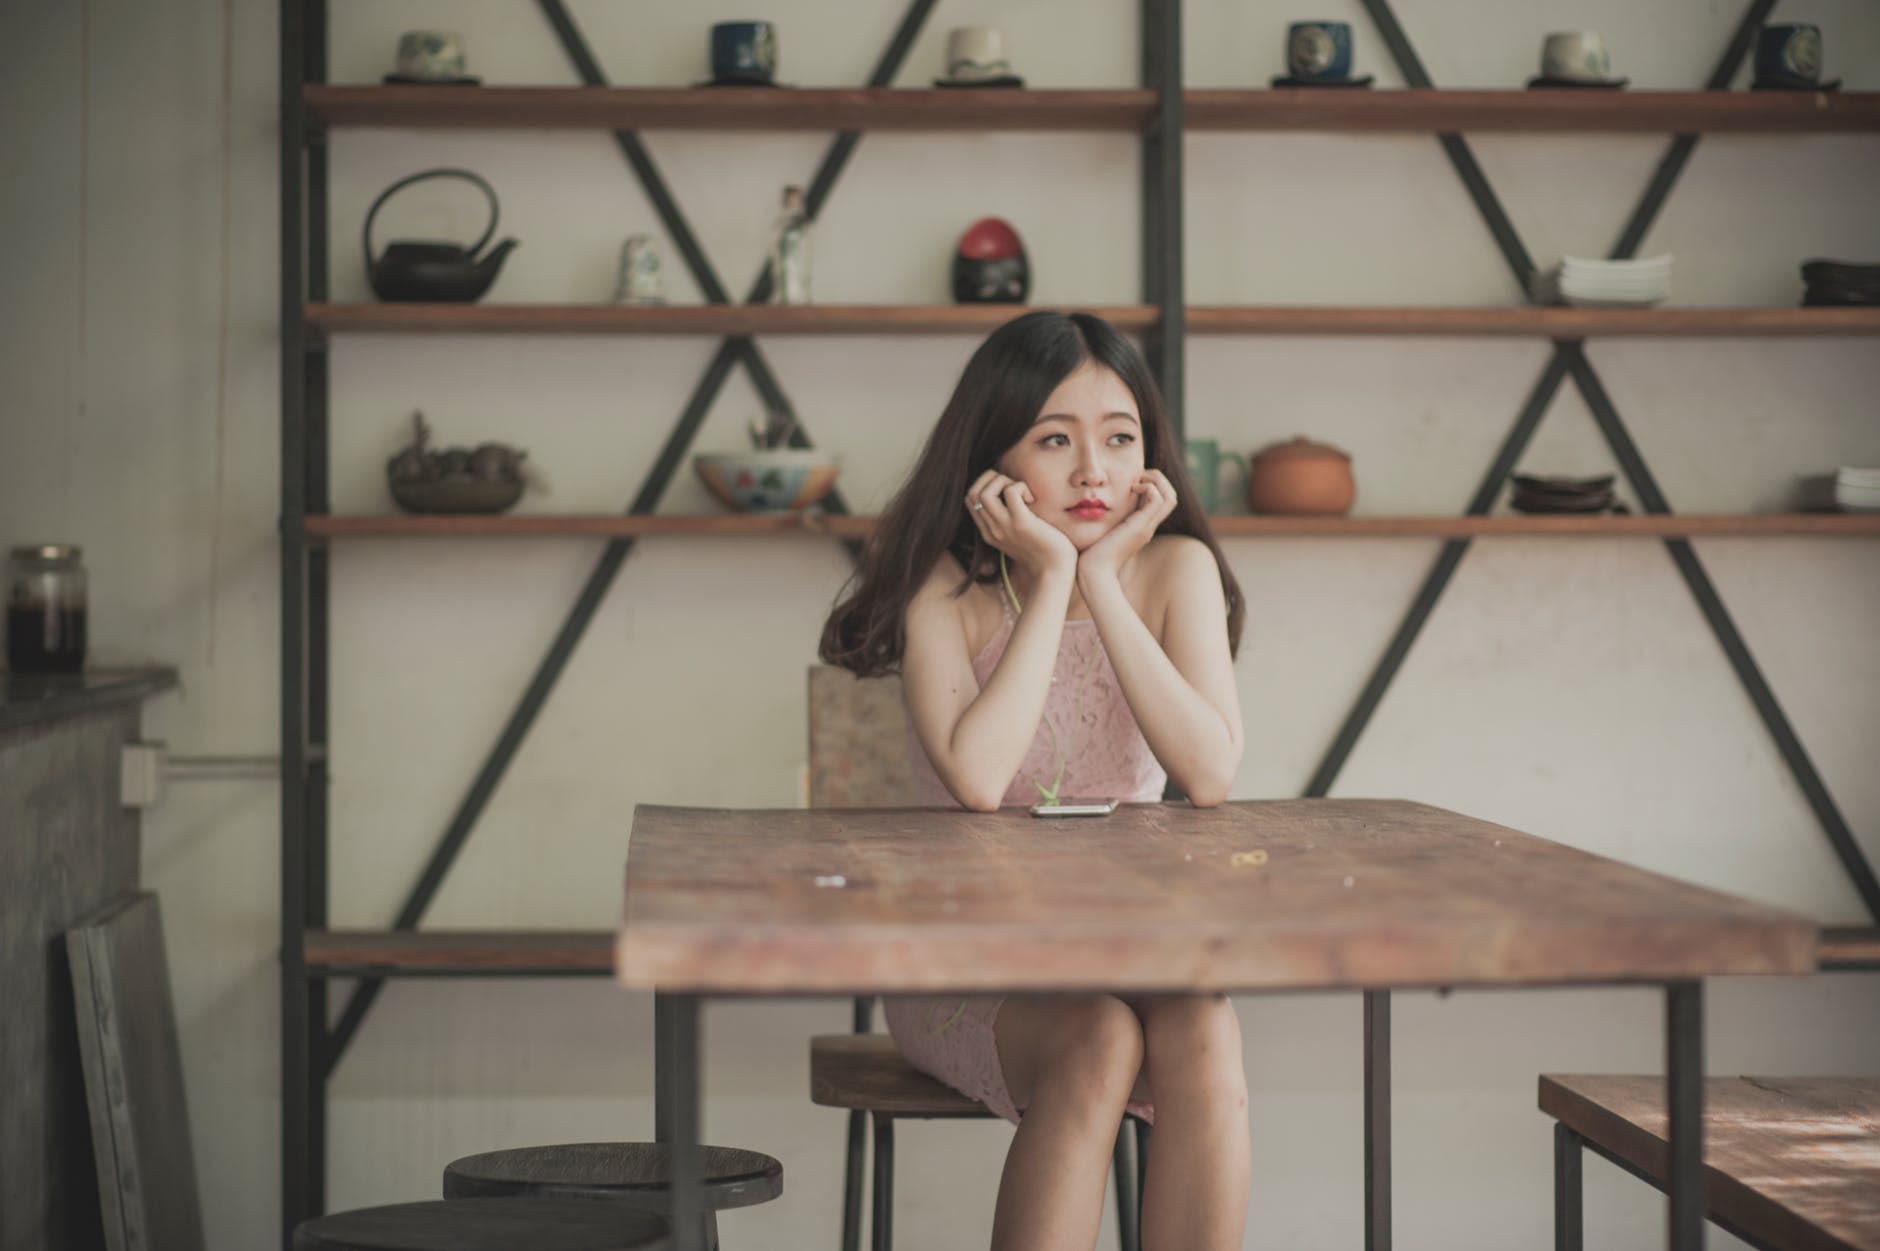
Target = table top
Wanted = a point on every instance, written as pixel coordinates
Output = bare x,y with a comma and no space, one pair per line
1255,895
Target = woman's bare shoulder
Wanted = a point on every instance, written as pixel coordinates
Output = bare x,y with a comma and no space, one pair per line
976,613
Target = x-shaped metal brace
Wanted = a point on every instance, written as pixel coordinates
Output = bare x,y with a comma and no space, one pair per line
1569,360
734,350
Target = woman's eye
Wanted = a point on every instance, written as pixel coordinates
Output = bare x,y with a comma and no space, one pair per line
1122,438
1055,440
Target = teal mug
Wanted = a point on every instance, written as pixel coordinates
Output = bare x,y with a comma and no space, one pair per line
1205,460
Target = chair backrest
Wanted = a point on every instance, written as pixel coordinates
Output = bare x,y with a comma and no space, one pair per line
857,741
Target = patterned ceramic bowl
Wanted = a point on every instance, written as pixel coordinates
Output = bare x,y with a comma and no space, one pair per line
783,480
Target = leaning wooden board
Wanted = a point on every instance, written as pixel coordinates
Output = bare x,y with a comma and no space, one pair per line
1255,895
1792,1161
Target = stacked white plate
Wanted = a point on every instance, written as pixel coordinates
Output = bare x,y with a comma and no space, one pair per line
1857,490
1604,284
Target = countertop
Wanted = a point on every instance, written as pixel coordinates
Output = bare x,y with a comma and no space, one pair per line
34,698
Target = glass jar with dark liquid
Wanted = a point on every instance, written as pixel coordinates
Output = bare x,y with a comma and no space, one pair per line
45,609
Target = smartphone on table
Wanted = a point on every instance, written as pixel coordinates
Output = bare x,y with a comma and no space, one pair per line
1074,807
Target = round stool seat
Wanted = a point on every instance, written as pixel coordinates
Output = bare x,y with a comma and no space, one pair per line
638,1173
486,1225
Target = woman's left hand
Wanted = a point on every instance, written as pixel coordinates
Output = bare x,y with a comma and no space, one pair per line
1155,500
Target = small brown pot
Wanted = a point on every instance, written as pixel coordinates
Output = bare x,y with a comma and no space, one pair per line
1301,478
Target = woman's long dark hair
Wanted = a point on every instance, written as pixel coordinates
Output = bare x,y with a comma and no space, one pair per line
999,395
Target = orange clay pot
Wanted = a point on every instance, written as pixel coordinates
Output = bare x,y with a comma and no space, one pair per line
1301,478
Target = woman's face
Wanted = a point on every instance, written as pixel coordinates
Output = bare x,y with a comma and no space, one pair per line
1082,455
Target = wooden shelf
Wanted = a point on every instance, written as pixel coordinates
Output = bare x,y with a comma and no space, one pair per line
1846,948
689,319
1529,320
601,526
1126,110
727,108
1559,111
729,525
459,953
975,319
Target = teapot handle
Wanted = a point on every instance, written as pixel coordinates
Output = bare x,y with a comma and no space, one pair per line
489,193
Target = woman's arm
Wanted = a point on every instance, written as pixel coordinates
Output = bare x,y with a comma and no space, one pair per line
1181,687
977,739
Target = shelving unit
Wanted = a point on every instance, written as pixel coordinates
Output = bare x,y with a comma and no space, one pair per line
1160,113
818,525
916,109
1514,321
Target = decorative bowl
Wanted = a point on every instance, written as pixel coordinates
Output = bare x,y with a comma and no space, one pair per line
781,480
455,495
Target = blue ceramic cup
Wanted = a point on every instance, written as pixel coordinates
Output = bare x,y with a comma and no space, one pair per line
1320,50
744,52
1788,54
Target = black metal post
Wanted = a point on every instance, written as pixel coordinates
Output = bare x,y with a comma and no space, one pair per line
1162,278
1684,1130
297,1203
1128,1211
1569,1205
882,1238
318,501
676,1103
1377,1120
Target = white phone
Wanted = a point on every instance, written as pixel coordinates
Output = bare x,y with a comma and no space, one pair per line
1074,808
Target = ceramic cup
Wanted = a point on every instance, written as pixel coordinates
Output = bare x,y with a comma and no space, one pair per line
639,272
1575,56
1319,50
1204,461
1788,54
744,52
977,54
431,56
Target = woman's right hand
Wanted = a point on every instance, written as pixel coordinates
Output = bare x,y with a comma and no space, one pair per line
1000,507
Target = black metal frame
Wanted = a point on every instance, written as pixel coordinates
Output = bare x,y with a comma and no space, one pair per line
310,1050
1684,1180
1569,360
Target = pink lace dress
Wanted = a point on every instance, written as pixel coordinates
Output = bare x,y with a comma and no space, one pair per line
1103,754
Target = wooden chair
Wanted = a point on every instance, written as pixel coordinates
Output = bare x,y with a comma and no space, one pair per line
634,1175
858,759
486,1225
1790,1163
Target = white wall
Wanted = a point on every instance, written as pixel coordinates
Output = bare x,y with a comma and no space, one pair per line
1565,687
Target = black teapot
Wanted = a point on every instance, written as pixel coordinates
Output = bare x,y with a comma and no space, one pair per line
430,272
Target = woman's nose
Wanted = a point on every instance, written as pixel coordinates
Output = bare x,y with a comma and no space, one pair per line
1089,469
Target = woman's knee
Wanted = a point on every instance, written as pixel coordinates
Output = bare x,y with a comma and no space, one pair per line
1193,1042
1096,1047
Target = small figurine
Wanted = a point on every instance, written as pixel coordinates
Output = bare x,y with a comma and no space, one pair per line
789,251
990,265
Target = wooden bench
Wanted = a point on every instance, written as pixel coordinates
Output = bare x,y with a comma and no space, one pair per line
1790,1163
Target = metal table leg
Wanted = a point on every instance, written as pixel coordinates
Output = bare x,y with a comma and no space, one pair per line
676,1111
1377,1120
1684,1081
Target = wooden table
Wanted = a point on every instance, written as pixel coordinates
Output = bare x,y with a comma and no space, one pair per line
1310,894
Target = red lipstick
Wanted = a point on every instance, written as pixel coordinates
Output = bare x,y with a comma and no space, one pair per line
1090,510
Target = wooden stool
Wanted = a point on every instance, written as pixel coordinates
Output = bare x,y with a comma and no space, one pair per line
632,1174
486,1225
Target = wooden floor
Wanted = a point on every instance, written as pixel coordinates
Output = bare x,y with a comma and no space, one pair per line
1794,1162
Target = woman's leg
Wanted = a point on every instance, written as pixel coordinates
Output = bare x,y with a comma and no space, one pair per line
1201,1166
1069,1063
